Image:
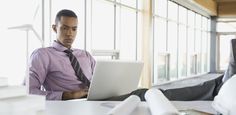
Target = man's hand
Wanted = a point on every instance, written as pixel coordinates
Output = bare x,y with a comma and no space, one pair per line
74,94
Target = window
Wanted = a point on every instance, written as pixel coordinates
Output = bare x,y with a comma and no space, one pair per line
116,23
18,42
102,25
226,32
163,67
161,8
224,51
172,49
160,54
182,53
127,41
181,42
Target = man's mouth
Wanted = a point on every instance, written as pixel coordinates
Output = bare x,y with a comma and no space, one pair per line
68,40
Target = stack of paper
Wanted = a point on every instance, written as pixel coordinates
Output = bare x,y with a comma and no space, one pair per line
157,103
14,100
25,105
3,81
12,91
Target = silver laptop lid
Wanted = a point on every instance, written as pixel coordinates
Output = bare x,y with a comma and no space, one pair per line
114,78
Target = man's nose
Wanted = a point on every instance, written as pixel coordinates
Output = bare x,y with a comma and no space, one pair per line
69,32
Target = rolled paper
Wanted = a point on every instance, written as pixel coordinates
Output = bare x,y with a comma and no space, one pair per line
224,101
125,107
159,104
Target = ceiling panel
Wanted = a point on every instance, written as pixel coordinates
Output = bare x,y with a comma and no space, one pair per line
225,0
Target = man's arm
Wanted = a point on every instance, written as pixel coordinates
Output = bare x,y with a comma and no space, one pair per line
37,74
75,94
83,92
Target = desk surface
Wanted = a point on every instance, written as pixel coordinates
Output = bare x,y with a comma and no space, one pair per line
102,107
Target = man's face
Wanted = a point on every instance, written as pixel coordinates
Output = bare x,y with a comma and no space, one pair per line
66,30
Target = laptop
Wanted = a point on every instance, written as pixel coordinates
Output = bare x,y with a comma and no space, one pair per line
114,78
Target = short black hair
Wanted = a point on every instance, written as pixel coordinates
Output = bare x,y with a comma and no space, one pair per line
64,12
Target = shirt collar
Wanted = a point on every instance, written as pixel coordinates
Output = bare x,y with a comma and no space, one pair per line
58,46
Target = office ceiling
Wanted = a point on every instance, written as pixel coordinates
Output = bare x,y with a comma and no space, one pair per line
226,8
225,1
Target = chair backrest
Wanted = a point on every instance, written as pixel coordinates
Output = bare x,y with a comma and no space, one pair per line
233,49
232,61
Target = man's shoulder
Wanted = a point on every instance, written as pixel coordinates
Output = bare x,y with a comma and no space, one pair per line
81,51
45,49
42,51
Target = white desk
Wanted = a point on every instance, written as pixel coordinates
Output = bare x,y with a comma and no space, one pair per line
102,107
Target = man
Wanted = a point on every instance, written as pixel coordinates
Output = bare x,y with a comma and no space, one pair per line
55,67
51,67
65,73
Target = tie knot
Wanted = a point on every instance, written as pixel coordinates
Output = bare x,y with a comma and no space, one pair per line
68,51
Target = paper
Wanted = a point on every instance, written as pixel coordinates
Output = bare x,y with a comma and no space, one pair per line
125,107
24,105
224,102
12,91
3,82
159,104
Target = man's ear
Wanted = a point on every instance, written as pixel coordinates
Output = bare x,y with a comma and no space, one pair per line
54,27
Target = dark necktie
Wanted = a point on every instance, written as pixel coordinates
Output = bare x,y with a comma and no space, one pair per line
78,71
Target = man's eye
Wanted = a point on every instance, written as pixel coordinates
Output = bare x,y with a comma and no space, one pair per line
65,28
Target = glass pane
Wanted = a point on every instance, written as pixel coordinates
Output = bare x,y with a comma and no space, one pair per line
190,50
13,46
182,15
198,20
140,36
204,51
159,49
131,3
191,18
102,25
78,7
182,54
102,57
127,40
193,62
34,41
160,35
204,23
209,25
172,49
162,68
172,11
225,27
140,4
225,50
161,8
208,51
198,47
